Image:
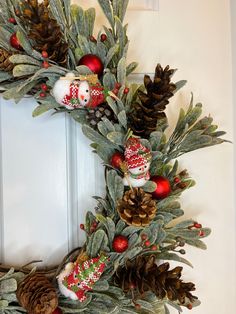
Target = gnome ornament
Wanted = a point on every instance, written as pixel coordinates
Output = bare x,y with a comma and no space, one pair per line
78,92
77,278
137,161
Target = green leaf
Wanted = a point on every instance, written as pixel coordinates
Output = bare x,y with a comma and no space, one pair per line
89,18
4,76
24,59
101,285
3,305
121,71
149,187
109,80
196,243
184,224
115,185
23,70
122,118
179,85
24,42
131,68
8,285
42,109
116,138
111,53
107,10
98,239
174,257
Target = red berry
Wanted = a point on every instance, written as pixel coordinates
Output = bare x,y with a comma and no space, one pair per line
82,226
118,85
115,91
126,91
103,37
132,286
201,233
46,65
154,248
137,306
12,20
92,229
44,54
147,243
95,224
197,225
44,87
15,42
144,237
42,95
189,306
117,159
120,244
93,39
177,180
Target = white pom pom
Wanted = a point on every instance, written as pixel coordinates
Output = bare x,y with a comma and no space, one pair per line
62,88
65,291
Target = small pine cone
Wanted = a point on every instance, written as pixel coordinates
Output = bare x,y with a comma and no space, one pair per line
149,107
37,295
137,208
5,63
95,115
142,274
43,30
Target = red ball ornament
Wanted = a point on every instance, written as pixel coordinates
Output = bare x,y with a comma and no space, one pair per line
15,42
93,62
57,311
117,159
12,20
120,244
163,188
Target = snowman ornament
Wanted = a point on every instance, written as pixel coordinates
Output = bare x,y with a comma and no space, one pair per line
78,92
138,161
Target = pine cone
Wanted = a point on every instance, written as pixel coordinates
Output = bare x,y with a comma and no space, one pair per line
5,63
95,115
146,112
137,208
142,274
44,30
37,295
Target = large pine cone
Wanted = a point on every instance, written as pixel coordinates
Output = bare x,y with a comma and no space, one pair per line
142,274
5,63
96,114
44,30
137,208
37,295
146,112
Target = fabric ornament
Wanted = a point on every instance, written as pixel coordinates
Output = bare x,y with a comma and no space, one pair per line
77,278
77,92
137,160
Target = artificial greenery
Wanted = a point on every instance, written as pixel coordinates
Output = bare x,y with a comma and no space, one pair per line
191,132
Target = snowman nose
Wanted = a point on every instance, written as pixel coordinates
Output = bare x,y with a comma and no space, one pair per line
82,97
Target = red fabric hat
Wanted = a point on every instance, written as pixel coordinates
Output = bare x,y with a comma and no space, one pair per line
136,155
97,95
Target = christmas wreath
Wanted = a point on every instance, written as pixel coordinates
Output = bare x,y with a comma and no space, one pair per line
48,50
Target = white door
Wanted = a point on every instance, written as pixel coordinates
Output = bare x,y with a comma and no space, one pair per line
49,174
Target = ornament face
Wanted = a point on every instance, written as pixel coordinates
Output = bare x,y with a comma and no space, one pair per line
84,93
138,161
77,92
